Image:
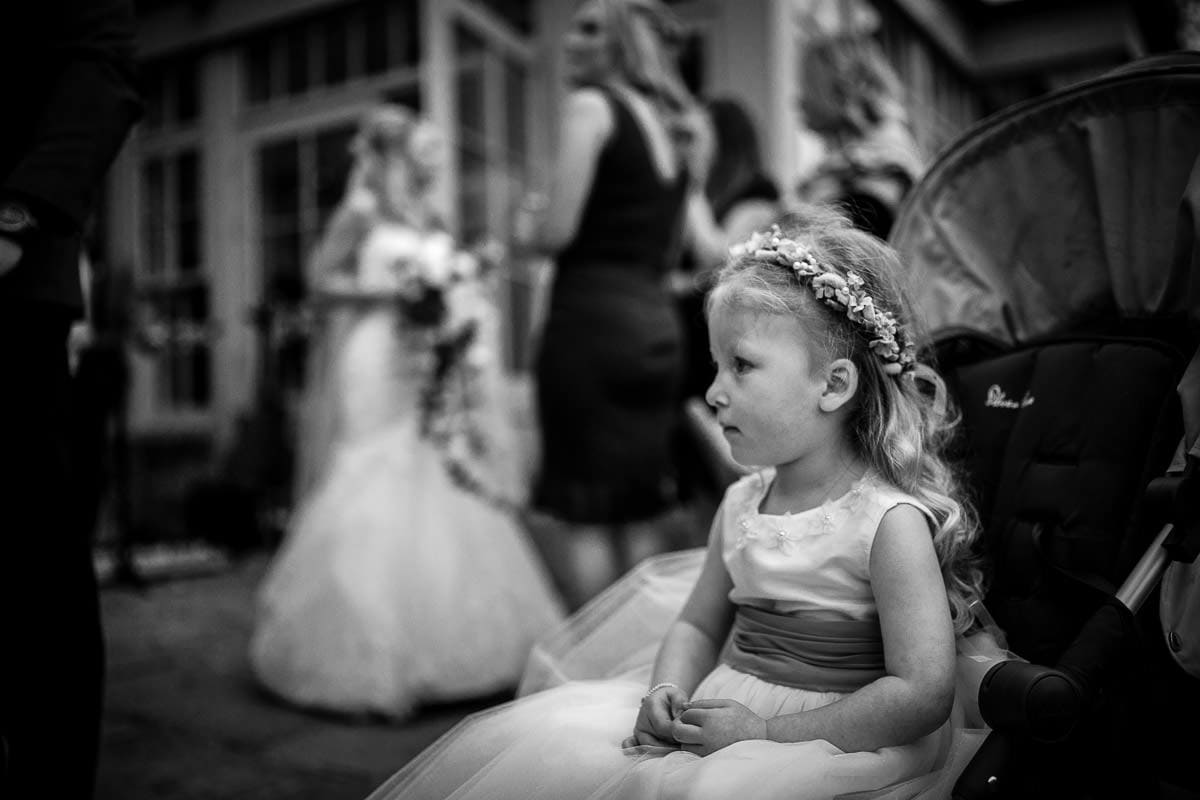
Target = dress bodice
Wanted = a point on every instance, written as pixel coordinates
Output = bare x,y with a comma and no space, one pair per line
814,561
383,364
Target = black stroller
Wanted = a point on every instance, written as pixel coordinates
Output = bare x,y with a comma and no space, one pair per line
1056,251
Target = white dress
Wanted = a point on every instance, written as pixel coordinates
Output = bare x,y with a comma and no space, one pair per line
395,585
562,738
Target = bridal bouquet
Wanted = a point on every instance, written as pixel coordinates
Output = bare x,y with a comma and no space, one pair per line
462,354
427,279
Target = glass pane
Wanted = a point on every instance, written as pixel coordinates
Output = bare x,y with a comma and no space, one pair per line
472,193
153,90
169,379
470,82
297,60
518,13
376,39
283,266
333,29
279,180
404,34
515,111
199,304
187,198
201,377
258,69
355,42
333,168
153,209
186,76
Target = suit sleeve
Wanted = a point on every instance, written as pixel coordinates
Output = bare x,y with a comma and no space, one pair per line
88,112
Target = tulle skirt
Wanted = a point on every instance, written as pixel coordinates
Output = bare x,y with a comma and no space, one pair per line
396,587
562,738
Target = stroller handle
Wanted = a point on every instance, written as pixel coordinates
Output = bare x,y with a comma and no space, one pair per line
1146,573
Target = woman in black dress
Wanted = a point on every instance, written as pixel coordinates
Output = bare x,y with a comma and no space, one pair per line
611,348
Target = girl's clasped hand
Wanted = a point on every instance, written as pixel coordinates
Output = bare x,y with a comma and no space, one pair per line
668,719
656,718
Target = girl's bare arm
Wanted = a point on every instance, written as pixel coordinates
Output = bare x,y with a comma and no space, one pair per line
915,696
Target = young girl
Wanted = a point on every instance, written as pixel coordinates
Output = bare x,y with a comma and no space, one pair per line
816,653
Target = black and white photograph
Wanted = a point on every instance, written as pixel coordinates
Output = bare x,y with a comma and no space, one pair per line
600,400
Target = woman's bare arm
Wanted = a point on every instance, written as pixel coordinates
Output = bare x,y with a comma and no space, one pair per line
587,125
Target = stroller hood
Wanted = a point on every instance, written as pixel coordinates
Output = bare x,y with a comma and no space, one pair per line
1070,209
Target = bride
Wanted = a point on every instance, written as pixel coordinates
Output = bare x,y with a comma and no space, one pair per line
404,578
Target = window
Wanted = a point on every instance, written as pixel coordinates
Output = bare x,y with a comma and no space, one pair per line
492,116
170,92
301,180
332,49
173,285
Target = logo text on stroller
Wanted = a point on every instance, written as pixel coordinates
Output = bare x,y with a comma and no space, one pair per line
996,398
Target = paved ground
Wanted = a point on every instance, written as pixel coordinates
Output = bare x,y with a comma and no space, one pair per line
185,722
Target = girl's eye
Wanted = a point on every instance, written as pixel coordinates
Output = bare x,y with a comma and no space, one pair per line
741,365
589,28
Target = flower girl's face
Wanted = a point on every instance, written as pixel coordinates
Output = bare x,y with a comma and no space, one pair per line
767,388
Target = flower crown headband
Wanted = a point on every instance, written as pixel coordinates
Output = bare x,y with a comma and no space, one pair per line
889,340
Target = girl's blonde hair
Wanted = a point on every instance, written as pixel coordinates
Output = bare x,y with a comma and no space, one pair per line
899,424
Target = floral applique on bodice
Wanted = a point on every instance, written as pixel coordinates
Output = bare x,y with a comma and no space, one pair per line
816,560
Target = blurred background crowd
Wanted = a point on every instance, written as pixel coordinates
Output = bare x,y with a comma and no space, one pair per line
212,210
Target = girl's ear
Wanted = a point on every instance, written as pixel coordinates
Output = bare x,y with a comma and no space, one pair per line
841,384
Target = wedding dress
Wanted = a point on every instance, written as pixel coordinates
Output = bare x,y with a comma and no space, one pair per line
399,583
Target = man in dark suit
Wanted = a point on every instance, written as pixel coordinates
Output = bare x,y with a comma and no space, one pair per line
67,103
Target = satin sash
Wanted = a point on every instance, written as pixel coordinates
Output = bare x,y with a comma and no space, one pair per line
806,653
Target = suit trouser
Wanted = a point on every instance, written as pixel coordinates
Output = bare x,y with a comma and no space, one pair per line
51,644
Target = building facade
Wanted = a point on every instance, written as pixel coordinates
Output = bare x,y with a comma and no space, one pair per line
228,180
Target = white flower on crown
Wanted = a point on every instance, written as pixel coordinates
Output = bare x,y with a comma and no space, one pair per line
889,341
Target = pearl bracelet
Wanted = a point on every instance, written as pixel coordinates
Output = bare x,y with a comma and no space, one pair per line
658,686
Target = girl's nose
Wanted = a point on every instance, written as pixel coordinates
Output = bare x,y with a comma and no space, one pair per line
715,396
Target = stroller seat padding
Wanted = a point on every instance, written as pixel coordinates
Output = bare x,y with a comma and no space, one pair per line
1060,440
